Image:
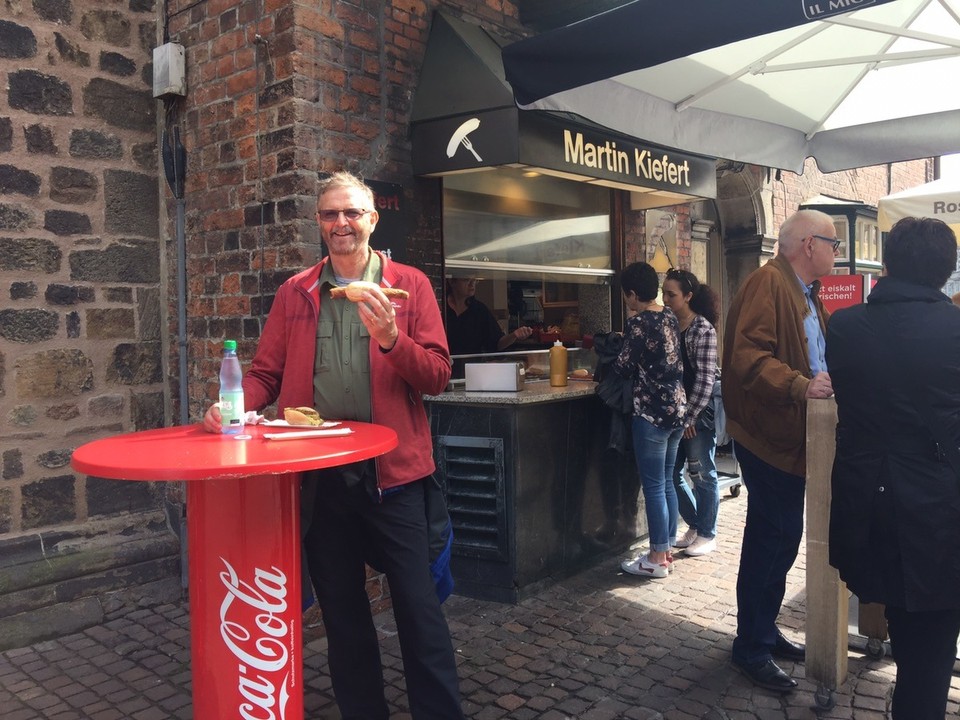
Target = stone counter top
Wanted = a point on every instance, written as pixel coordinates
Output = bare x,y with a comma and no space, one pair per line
535,391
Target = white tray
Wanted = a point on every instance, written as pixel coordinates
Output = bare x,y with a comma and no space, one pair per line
283,424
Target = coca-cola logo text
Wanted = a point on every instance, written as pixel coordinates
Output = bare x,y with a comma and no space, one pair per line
257,637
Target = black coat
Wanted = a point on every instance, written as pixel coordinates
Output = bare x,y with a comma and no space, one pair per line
615,390
895,514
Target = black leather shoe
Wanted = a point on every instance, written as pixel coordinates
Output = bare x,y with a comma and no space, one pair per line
767,674
787,649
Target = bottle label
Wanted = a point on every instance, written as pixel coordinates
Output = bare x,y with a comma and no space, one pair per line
231,410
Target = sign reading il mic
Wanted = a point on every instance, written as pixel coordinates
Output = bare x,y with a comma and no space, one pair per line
817,9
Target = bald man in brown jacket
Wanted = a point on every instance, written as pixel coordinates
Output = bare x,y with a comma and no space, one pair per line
773,361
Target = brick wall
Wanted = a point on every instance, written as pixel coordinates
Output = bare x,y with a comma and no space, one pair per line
865,185
280,92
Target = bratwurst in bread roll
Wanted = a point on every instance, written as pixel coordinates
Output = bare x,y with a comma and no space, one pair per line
354,291
302,416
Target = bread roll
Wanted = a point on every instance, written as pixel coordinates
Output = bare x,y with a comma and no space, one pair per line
580,373
302,416
354,291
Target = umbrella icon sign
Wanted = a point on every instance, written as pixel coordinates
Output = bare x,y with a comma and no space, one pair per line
460,138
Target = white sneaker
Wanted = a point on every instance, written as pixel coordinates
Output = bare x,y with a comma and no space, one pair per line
701,546
686,539
644,568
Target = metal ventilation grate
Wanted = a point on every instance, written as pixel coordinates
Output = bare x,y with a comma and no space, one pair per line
473,468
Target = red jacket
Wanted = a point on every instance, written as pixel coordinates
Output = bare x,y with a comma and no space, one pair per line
418,364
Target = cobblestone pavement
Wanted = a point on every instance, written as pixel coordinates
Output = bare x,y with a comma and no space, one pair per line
599,646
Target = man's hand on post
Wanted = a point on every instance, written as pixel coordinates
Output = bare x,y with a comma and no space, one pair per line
820,387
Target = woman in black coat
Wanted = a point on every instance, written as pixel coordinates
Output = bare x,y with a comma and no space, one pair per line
895,516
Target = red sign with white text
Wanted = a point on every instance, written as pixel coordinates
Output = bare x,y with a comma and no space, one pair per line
840,291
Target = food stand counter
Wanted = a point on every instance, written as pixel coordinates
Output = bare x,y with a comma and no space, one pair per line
535,494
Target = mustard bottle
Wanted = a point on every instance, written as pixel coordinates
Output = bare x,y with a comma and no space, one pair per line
558,365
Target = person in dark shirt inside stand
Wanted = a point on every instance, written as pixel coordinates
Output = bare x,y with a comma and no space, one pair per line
471,327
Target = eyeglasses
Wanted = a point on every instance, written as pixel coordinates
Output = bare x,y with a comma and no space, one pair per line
833,241
334,215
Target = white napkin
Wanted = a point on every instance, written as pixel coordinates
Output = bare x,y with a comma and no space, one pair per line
307,434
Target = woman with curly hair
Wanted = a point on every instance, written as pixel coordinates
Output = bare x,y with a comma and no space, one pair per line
696,308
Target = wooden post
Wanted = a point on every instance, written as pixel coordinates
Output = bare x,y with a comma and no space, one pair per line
872,621
827,596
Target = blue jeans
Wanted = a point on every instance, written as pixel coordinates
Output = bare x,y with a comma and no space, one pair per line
771,538
656,452
698,506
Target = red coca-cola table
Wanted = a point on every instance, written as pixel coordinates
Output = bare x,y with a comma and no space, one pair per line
243,544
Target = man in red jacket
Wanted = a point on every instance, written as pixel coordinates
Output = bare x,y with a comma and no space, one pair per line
372,361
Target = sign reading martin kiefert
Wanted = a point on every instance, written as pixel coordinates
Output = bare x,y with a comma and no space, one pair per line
574,148
643,164
538,140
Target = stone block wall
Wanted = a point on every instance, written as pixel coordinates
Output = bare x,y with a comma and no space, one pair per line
80,320
79,251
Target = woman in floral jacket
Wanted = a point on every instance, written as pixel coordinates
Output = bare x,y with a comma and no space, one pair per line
651,357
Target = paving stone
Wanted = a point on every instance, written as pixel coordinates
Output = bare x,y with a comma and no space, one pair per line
597,646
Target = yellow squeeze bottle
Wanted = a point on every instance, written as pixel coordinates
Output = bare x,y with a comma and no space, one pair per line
558,365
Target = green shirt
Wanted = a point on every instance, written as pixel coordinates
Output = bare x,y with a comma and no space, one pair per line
341,371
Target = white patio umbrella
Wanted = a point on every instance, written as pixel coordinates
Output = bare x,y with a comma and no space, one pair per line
938,199
769,82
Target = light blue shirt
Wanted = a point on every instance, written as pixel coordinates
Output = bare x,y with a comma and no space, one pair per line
816,343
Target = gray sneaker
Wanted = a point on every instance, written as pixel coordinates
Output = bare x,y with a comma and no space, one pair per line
686,539
701,546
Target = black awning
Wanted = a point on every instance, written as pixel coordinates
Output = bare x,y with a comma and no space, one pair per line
465,118
462,72
645,33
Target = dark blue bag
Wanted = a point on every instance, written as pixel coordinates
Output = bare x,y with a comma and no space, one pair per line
440,536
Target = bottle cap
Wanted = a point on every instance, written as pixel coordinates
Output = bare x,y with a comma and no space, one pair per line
557,342
229,344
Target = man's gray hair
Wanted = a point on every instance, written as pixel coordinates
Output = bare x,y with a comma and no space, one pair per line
341,179
800,225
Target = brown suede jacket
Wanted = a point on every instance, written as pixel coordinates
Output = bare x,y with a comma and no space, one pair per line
765,368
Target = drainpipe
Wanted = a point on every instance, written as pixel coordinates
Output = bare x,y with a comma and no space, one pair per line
174,166
182,310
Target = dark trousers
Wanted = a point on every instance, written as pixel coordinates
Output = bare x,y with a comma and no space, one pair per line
771,538
924,648
347,530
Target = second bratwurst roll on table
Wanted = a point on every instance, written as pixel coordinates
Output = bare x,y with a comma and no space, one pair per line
302,416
